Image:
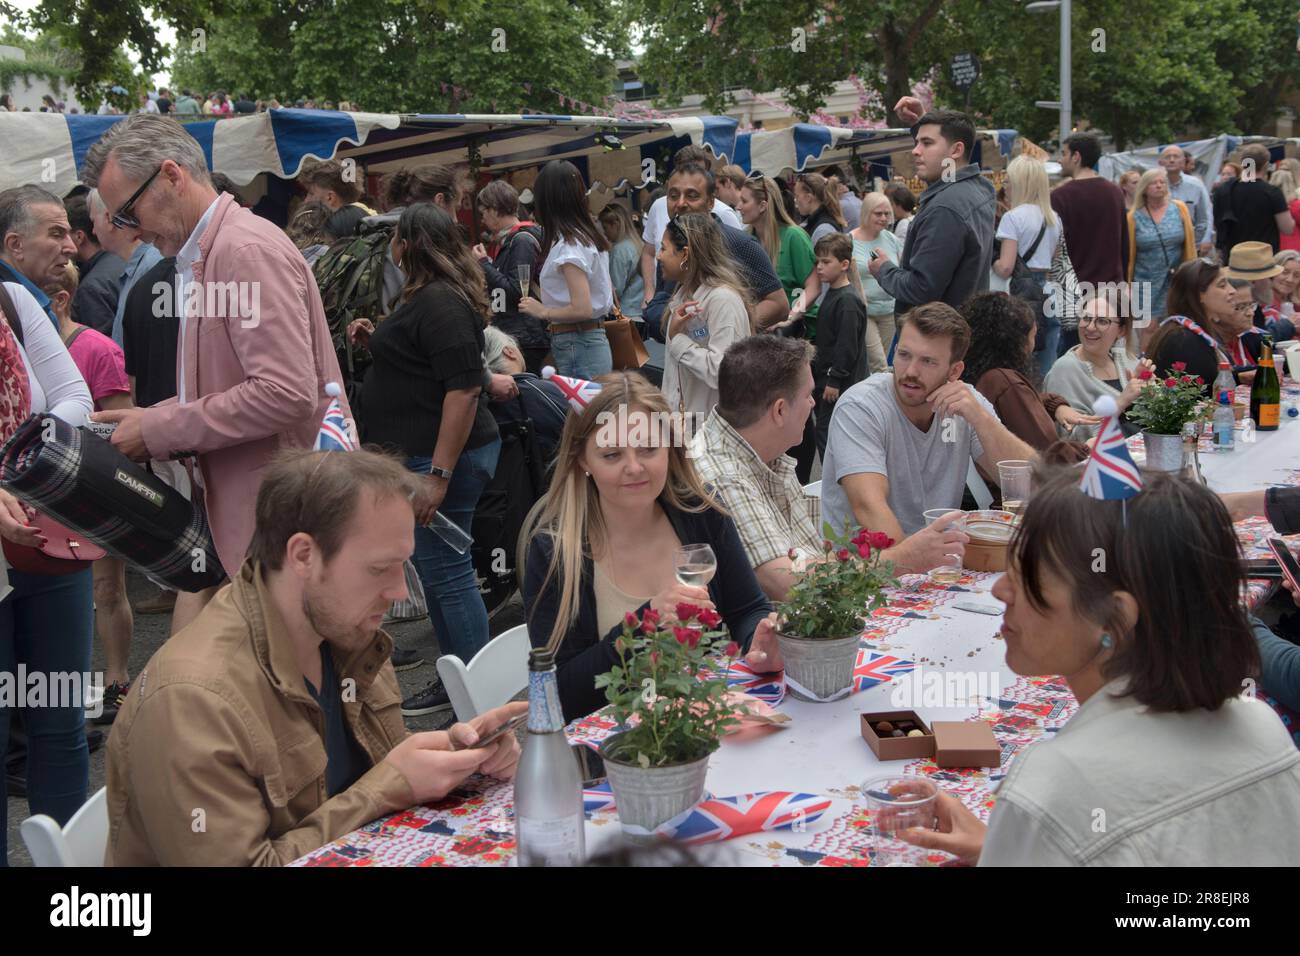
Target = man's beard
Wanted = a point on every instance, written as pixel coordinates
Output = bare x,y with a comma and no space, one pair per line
333,629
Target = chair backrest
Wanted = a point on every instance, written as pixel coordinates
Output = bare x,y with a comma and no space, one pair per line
978,489
81,843
813,490
496,674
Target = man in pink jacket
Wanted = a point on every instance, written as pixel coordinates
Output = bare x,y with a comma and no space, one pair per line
254,353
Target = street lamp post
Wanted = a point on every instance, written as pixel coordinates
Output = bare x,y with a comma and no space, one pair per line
1064,105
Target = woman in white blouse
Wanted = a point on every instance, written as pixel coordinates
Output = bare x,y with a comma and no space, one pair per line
575,285
46,621
1170,759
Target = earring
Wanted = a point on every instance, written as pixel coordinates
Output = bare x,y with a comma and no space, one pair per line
1107,642
587,473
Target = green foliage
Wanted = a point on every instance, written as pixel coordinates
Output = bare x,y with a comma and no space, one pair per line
834,595
1164,406
378,53
662,688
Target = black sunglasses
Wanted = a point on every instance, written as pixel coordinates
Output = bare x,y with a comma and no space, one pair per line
679,234
123,219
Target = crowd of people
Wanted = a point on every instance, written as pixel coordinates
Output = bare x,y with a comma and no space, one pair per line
189,104
904,341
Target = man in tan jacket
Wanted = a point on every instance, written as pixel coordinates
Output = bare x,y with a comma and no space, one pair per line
270,725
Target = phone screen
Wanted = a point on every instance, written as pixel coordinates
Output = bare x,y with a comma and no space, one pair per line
1286,560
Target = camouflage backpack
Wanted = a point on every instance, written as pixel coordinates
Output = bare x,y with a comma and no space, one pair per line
350,275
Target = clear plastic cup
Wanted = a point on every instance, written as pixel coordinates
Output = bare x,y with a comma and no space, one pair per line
936,513
1013,478
898,803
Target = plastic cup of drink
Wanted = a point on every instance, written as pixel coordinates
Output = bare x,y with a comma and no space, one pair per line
1013,479
899,803
934,514
1293,362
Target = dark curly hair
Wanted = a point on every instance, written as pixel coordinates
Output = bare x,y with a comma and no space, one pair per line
999,328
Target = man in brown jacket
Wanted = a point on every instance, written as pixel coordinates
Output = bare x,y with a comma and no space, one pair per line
270,725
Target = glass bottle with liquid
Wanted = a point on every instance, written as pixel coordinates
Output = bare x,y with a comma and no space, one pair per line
1191,457
1266,393
548,785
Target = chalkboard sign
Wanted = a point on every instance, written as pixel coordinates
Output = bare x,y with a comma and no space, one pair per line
964,70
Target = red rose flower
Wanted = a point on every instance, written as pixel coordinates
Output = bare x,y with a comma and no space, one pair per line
842,554
1199,380
732,649
1179,366
648,626
1144,374
651,616
1186,380
827,546
864,551
861,537
1170,382
683,634
880,541
710,618
630,619
687,612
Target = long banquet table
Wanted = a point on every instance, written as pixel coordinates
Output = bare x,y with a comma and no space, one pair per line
821,751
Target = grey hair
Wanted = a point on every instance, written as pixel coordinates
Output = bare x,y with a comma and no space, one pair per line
95,203
141,143
1285,256
16,209
495,342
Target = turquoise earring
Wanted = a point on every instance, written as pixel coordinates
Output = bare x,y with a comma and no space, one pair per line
1107,642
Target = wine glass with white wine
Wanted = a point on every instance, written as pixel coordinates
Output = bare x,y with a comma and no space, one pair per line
525,273
695,565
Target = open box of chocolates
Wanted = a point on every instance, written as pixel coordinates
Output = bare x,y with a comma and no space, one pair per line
897,735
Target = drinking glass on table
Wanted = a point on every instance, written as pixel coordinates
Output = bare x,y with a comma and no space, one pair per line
525,273
898,803
1013,478
695,565
949,572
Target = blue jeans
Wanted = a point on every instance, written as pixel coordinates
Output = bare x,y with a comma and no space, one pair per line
582,354
1049,333
450,585
46,624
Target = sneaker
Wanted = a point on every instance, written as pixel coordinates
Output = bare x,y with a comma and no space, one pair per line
404,660
164,602
114,698
432,699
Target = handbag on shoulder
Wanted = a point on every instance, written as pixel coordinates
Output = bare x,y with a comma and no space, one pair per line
625,345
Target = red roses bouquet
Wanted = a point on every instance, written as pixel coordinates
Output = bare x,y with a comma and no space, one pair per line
837,593
665,691
1164,406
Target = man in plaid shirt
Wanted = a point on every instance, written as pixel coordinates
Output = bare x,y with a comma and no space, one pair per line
765,396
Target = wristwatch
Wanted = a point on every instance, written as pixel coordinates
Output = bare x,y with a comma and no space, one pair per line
437,472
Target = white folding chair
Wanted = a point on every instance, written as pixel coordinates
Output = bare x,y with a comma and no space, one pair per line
81,843
813,490
496,674
978,489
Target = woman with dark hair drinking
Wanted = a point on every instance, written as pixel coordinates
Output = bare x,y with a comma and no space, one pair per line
574,279
621,502
423,400
1157,648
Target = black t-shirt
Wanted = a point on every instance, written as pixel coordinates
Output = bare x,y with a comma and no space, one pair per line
1254,204
430,345
346,760
164,105
150,332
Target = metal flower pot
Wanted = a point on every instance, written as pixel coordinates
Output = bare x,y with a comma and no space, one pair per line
822,666
1164,452
650,796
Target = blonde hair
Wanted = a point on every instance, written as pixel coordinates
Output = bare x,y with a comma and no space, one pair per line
1150,176
68,281
709,262
820,187
1284,181
869,203
570,511
616,212
1027,186
774,218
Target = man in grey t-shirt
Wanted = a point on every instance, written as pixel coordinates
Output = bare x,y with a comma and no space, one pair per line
901,444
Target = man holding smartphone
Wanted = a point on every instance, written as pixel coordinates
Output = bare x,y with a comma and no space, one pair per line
271,725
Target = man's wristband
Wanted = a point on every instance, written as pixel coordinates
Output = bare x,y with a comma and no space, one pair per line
443,473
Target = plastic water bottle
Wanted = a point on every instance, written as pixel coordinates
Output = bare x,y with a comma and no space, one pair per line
450,532
697,326
1223,422
1225,382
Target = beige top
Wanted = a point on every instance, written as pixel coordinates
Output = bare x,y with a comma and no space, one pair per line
612,604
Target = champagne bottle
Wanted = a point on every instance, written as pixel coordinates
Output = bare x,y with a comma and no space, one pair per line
1266,393
548,786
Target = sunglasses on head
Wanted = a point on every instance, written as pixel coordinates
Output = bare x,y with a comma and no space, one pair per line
679,234
123,219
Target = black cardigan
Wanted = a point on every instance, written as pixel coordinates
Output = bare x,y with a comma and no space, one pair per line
583,653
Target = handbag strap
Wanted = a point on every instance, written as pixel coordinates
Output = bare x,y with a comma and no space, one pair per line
1029,253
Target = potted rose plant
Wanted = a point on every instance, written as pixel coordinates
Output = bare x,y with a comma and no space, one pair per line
663,690
820,622
1163,407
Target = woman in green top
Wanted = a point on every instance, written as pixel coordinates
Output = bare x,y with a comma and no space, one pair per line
872,234
788,246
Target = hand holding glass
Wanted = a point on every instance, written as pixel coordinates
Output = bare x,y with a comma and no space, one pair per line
695,565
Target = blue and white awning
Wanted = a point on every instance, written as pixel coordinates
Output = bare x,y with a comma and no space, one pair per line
49,148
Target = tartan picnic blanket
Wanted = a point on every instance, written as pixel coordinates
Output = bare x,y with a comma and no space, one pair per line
77,478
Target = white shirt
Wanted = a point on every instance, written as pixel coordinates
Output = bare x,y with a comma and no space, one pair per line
656,220
555,291
185,260
1022,225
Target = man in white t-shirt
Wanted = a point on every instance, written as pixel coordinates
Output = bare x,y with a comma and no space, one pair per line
902,444
656,220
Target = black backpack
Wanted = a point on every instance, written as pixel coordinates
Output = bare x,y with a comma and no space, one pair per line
1025,287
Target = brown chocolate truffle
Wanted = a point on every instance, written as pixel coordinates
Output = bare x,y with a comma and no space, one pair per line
898,733
884,727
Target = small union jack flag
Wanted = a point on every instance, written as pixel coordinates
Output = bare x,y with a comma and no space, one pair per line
769,688
578,391
333,434
599,797
873,669
1110,474
722,818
